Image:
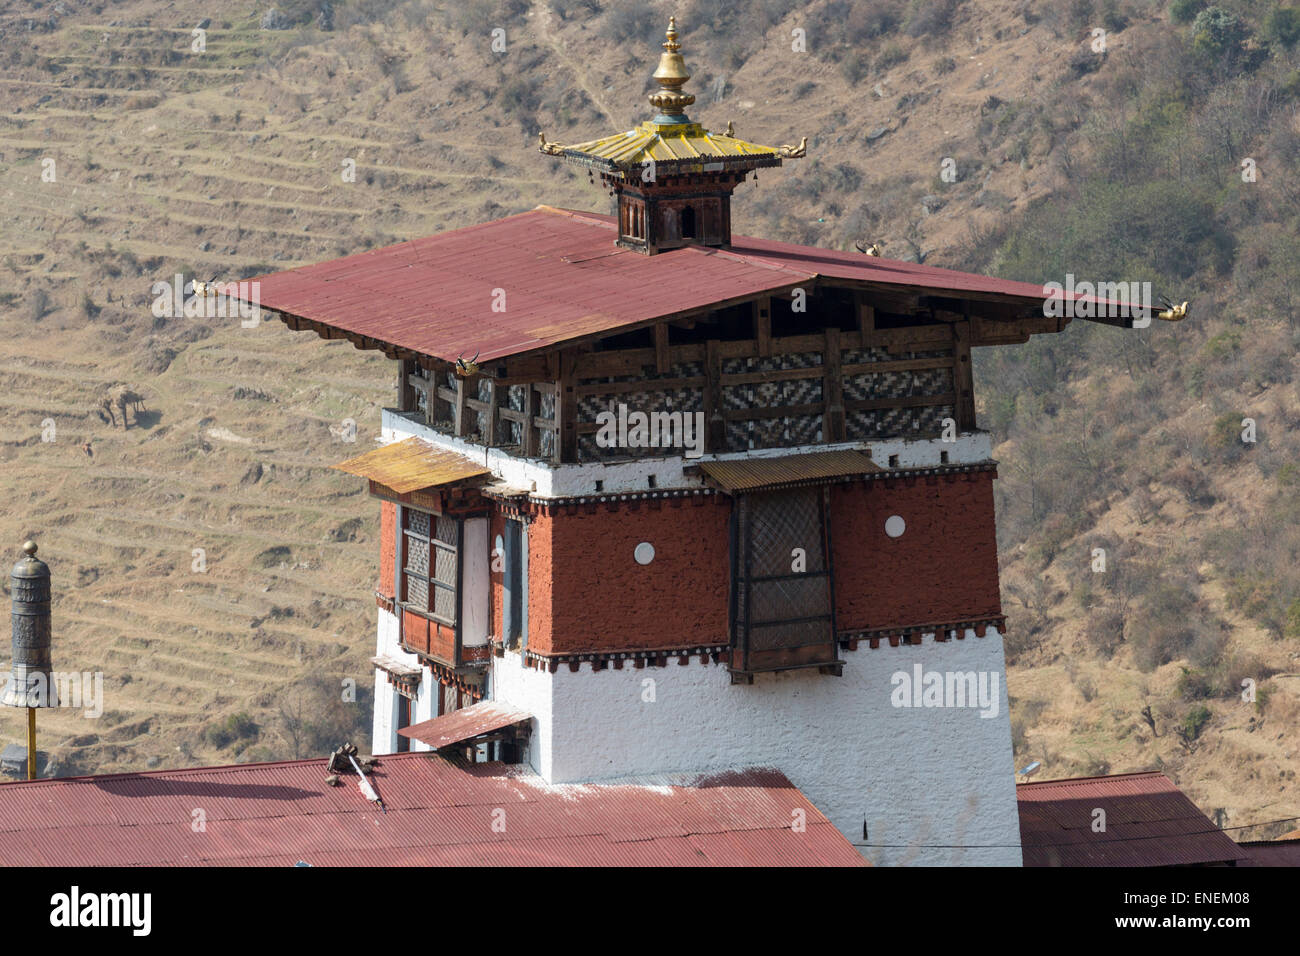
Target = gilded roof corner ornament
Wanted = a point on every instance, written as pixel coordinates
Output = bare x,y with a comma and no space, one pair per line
550,149
795,152
1172,312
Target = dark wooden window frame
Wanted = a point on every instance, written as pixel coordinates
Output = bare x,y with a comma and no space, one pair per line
514,609
433,583
404,707
745,660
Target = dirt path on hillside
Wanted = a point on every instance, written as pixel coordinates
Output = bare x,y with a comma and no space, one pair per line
542,16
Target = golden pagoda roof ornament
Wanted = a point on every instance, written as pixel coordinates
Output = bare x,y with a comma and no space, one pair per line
671,77
670,142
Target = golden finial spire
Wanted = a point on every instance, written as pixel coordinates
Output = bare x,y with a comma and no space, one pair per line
671,76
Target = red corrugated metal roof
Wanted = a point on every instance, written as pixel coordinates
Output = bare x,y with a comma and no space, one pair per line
1149,822
461,725
1279,852
563,278
438,814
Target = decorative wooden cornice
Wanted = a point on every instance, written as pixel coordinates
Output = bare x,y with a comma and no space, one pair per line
942,631
468,682
653,657
632,500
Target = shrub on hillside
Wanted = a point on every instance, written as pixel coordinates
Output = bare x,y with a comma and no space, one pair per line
1079,13
1105,630
1231,674
1252,594
1185,11
231,730
868,20
1225,436
1019,736
1222,345
854,67
272,557
584,9
1193,483
518,96
1094,766
890,56
1194,685
1292,626
930,18
1218,33
1112,17
1283,26
38,304
1194,723
1162,630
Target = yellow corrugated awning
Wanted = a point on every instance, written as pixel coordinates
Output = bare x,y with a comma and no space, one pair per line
411,465
756,474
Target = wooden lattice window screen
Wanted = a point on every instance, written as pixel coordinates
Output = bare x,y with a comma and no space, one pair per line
429,568
783,610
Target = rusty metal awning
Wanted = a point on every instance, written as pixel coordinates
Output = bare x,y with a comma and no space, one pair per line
412,465
464,725
758,474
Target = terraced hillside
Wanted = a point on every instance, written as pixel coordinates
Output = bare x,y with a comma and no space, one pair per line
207,560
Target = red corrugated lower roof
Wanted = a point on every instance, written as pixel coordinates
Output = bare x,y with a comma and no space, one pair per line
1148,822
276,814
563,278
1279,852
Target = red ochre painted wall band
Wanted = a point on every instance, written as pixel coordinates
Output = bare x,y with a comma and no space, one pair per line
388,548
944,567
602,599
588,594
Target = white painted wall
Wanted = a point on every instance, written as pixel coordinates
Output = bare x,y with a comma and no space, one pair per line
528,689
933,776
546,479
383,738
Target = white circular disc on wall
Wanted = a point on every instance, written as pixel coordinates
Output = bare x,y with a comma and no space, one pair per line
895,526
644,553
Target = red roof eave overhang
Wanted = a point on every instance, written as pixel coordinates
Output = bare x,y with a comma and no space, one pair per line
560,281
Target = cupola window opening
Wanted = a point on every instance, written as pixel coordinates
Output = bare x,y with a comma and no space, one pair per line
688,222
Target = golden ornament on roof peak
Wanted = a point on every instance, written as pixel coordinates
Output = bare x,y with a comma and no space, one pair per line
671,76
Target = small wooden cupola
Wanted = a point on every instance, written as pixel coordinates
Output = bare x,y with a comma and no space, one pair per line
673,178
